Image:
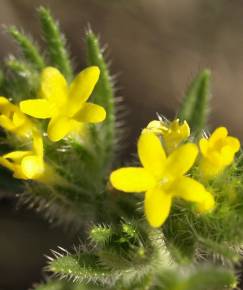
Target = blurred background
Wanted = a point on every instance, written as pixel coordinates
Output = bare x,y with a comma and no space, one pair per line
156,47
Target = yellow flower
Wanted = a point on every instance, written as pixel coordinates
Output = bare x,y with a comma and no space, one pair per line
13,120
162,178
157,127
217,152
65,105
173,133
26,164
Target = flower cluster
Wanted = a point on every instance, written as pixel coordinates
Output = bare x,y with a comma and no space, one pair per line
173,132
26,164
66,107
13,120
166,149
218,152
167,157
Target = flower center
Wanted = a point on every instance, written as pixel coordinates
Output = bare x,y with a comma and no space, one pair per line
166,182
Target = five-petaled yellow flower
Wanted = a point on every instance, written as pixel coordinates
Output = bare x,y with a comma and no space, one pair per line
26,164
217,152
162,178
173,133
65,105
13,120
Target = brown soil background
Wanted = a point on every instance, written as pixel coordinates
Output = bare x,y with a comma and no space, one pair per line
156,47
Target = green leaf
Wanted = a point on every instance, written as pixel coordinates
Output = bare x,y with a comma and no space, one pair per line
100,235
21,79
116,262
56,43
65,285
2,77
59,285
204,278
194,107
82,268
53,285
104,96
211,279
29,49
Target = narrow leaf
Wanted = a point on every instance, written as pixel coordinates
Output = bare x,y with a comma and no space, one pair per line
103,95
205,278
211,279
194,107
66,285
100,235
29,49
56,43
58,285
84,268
21,80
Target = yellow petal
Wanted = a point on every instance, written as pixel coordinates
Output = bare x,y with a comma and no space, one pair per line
82,87
234,143
18,172
90,113
181,160
191,190
132,179
151,153
219,133
6,123
53,86
6,163
38,108
185,130
208,204
32,166
59,127
17,155
157,206
19,119
4,101
209,169
38,144
155,124
156,127
226,155
203,145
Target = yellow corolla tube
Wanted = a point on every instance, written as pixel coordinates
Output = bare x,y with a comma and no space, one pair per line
173,133
218,152
13,120
162,178
65,105
26,164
